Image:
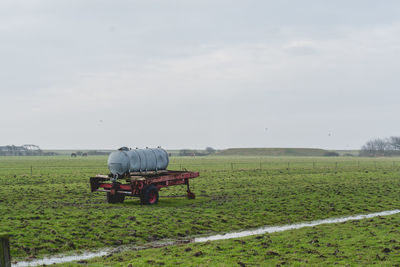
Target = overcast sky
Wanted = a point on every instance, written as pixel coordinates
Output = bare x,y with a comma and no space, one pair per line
190,74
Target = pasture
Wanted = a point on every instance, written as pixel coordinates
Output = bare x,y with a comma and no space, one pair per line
47,208
355,243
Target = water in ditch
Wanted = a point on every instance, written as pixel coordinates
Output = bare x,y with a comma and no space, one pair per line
258,231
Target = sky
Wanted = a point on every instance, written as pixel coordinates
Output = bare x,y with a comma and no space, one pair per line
96,74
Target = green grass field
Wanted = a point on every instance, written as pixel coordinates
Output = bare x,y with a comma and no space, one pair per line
53,211
373,241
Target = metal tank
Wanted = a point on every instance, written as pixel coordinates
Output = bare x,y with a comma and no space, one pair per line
137,160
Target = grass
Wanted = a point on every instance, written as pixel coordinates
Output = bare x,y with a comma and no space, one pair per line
373,241
54,211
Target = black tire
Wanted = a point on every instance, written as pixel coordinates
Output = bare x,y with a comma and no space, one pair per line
149,195
121,198
117,198
110,198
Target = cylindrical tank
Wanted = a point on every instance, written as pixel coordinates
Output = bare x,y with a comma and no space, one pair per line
137,160
118,162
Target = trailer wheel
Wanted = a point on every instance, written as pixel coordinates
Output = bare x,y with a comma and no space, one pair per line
117,198
121,198
149,195
112,199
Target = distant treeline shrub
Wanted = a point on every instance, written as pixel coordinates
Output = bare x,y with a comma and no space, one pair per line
192,152
331,154
97,153
381,147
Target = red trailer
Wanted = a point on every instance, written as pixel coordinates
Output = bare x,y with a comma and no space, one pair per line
142,184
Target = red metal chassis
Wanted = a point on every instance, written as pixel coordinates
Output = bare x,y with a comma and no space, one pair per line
103,183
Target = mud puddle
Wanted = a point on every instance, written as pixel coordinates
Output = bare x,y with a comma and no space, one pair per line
61,259
258,231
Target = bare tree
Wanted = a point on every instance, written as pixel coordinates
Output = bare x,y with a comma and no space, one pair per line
381,147
210,150
395,142
368,150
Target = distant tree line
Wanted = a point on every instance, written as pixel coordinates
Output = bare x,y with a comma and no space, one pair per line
24,150
381,147
331,154
192,152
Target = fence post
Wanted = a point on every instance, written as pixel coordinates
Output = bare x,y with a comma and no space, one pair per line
336,165
31,171
358,164
260,166
5,257
313,164
232,166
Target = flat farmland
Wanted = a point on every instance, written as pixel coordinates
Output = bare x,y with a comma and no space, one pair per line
47,207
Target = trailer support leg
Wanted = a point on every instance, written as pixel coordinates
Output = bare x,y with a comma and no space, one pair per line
190,194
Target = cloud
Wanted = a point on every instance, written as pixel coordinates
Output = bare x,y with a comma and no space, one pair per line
300,47
230,71
218,76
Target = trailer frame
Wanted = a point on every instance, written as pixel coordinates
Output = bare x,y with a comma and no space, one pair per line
145,185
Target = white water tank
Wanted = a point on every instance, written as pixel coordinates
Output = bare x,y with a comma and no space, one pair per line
137,160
